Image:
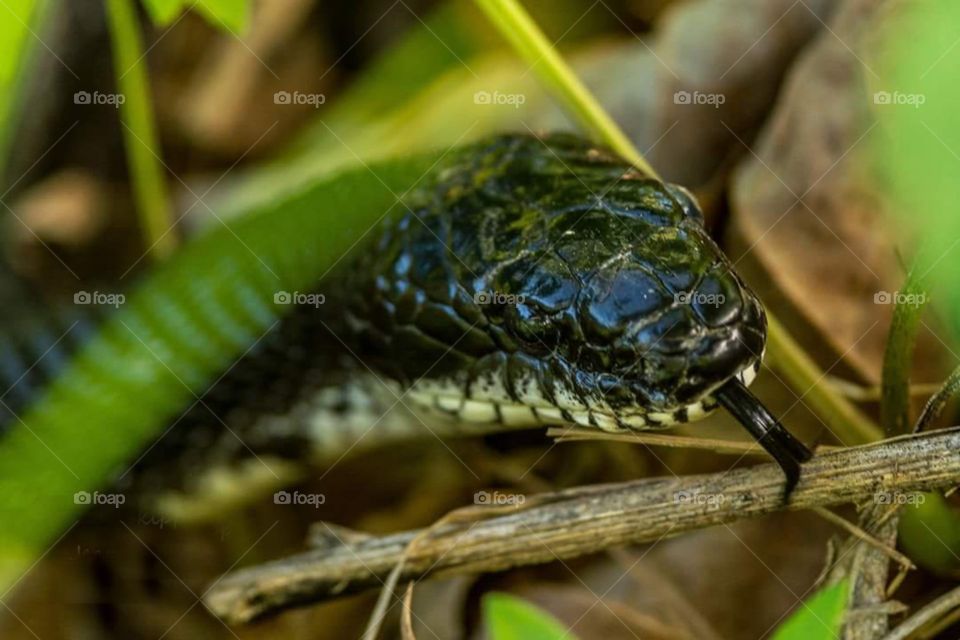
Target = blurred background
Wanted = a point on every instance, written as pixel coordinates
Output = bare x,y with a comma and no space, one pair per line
784,117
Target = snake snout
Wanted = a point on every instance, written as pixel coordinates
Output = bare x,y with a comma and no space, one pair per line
718,359
683,354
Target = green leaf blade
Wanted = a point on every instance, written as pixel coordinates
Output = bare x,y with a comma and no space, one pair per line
163,12
160,348
819,618
226,15
229,15
510,618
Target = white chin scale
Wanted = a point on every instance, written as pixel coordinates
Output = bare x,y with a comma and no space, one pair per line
748,374
486,406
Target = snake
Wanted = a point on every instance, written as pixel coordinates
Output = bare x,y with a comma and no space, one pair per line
529,281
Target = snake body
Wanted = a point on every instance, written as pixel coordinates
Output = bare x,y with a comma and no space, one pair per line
530,281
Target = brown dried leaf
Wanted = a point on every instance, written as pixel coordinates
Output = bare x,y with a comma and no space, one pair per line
809,222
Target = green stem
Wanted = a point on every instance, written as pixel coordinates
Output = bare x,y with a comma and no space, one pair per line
516,25
14,79
897,358
847,422
140,136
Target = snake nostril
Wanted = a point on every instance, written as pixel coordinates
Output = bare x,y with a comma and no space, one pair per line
725,354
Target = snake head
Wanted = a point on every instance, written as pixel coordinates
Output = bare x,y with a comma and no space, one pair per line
548,275
637,303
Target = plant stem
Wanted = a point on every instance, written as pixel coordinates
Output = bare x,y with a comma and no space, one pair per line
895,399
846,422
575,522
516,25
140,137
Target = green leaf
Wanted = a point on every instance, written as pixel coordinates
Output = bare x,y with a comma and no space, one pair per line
930,533
914,97
229,15
819,618
510,618
15,15
163,12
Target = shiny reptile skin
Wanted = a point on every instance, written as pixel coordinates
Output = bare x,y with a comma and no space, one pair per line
526,271
552,261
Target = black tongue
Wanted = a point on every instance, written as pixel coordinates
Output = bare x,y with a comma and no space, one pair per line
772,436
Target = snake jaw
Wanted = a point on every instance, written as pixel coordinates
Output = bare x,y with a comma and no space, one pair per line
529,402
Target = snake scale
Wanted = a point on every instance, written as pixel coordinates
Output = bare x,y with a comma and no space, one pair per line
530,281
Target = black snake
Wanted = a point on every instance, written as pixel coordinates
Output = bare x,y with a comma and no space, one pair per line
532,281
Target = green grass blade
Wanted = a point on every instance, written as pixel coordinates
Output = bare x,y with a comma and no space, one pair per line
516,25
176,332
898,355
139,129
17,19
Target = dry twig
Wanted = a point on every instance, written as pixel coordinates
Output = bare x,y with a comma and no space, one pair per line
586,520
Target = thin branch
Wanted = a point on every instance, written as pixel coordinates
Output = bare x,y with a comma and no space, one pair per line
653,439
933,611
586,520
864,536
936,404
872,393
